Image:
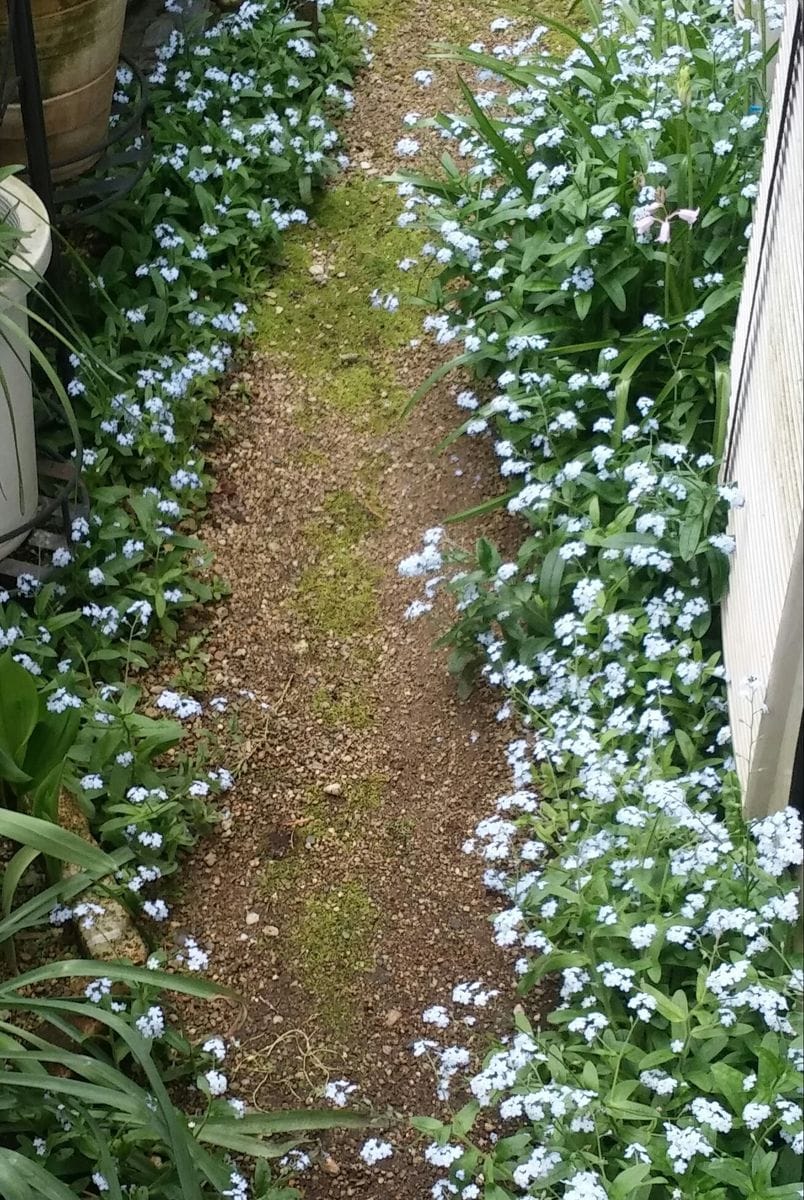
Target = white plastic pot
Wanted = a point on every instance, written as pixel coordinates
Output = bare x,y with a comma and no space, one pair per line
19,490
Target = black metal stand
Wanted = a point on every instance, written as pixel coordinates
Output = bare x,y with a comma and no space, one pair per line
29,88
51,528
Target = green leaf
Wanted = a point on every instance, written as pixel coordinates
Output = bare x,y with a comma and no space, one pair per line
124,972
615,292
722,395
624,1184
667,1007
506,156
463,1120
427,1125
687,747
54,841
19,707
13,873
689,537
479,510
550,576
22,1178
583,302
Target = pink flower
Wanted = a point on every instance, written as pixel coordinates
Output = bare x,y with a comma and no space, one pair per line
690,215
664,231
644,224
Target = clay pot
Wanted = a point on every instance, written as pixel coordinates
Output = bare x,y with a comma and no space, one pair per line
77,44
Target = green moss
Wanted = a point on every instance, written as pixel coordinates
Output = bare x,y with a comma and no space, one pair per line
352,517
279,875
349,707
310,460
339,595
400,833
343,815
333,939
366,795
344,359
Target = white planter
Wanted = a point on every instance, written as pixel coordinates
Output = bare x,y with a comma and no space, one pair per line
19,490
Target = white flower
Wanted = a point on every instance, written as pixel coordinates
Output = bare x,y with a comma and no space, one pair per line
152,1023
684,1144
338,1092
407,147
754,1114
184,707
584,1185
709,1112
641,936
442,1156
216,1047
374,1151
658,1081
436,1015
216,1081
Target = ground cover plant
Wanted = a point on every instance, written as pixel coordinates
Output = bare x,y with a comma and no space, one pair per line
589,229
242,112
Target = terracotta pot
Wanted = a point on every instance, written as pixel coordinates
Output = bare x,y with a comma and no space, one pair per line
78,44
19,493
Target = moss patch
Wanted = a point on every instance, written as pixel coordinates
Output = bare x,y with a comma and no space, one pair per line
348,707
351,517
279,875
333,938
339,595
343,814
356,242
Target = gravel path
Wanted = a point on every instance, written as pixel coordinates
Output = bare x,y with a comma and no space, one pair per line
336,897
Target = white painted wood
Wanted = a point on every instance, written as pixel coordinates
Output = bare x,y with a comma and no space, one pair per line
19,492
762,615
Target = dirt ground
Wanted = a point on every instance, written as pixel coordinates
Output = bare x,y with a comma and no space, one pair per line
335,895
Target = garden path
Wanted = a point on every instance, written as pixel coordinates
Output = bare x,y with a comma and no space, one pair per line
335,897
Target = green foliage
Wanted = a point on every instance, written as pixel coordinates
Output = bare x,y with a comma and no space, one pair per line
594,235
96,1090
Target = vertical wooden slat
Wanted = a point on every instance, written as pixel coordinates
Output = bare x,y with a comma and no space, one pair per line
762,626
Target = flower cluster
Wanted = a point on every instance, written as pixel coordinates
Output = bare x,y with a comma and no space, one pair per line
591,249
241,123
242,132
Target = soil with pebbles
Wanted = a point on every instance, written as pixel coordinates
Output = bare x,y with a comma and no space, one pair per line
437,762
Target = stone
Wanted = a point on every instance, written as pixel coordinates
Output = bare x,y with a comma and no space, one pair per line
252,918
